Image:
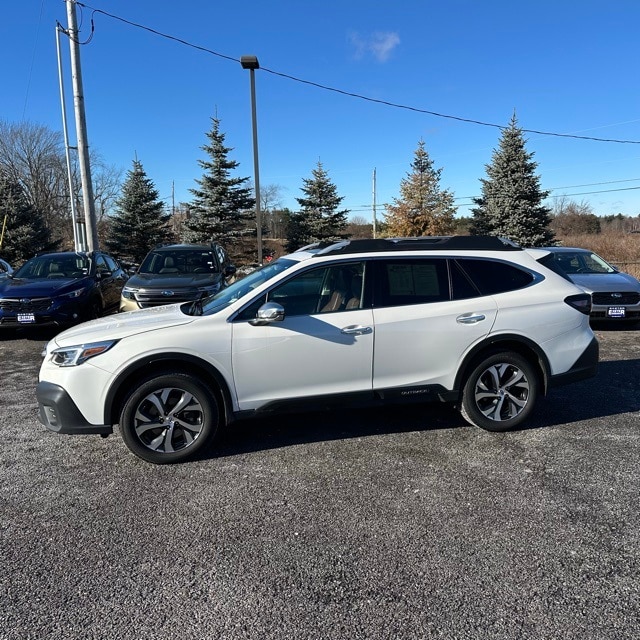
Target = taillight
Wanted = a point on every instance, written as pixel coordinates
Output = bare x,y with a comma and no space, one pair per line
581,302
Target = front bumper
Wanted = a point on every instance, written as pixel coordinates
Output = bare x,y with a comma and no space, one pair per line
55,316
601,312
59,413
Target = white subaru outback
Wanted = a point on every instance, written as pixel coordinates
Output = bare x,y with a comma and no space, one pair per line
474,321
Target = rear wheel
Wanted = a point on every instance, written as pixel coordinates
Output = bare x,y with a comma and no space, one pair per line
500,392
169,418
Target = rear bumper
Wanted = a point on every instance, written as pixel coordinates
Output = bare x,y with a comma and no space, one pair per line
586,366
59,413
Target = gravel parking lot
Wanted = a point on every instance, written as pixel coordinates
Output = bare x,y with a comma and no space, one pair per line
372,524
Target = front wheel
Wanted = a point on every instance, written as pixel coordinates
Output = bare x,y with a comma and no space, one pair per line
500,392
169,418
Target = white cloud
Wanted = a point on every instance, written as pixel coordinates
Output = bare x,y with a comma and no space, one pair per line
382,44
379,44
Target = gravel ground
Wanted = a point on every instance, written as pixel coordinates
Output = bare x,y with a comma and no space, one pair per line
372,524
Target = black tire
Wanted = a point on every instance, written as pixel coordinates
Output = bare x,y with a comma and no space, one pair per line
169,418
500,392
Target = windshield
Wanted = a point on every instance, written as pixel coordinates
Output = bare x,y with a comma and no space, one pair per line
238,289
55,266
180,261
582,262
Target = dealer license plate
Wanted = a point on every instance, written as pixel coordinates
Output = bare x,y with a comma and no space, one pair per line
26,318
616,312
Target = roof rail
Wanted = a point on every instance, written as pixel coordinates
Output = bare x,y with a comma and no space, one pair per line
433,243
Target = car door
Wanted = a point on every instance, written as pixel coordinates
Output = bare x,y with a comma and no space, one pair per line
322,347
107,281
422,330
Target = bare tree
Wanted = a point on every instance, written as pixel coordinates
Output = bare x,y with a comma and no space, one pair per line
33,156
359,227
564,205
271,204
571,217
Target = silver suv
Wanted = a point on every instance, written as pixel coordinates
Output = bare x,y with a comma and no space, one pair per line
177,273
473,321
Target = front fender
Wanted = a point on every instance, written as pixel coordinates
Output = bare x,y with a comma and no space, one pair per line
172,362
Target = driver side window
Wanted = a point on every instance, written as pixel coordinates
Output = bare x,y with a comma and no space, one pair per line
328,289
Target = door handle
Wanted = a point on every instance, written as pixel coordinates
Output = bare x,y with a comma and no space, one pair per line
470,318
356,330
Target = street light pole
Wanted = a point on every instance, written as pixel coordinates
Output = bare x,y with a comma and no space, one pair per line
251,63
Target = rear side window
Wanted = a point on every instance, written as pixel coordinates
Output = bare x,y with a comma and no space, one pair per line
492,276
411,281
462,287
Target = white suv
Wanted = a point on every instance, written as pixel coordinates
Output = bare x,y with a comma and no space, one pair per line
474,321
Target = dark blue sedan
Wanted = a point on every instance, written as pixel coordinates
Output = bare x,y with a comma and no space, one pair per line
61,289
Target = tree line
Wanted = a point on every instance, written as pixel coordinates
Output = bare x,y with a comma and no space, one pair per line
35,196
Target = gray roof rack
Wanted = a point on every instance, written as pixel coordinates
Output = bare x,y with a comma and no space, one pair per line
425,243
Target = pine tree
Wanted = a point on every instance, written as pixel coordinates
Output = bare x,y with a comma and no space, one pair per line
424,209
511,201
140,221
319,217
223,207
25,232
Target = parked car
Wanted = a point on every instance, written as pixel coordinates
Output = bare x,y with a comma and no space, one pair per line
61,289
469,320
177,273
615,295
5,269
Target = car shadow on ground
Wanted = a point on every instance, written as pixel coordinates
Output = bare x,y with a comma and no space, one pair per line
615,390
33,334
625,325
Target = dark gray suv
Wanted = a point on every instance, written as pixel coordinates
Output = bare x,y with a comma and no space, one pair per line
177,273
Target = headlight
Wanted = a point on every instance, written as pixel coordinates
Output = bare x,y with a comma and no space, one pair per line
73,356
129,294
75,294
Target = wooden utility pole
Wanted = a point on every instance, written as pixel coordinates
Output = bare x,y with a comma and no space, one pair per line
81,129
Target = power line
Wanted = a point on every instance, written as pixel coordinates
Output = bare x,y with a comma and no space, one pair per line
343,92
366,207
577,186
594,184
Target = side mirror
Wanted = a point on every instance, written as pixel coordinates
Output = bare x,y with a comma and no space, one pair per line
229,270
269,312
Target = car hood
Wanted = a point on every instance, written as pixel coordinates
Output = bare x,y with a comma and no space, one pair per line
23,288
176,281
121,325
605,281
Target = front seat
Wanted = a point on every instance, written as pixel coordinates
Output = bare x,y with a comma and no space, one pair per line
354,302
169,266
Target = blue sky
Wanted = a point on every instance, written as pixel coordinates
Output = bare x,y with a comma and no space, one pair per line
565,67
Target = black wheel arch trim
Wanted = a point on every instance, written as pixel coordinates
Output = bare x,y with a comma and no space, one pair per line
188,364
513,342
